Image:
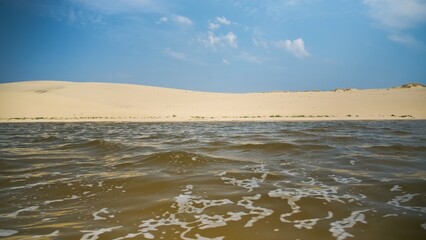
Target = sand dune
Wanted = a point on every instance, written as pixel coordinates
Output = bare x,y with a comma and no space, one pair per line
71,101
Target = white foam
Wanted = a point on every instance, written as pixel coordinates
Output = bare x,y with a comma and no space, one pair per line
7,233
396,202
289,172
103,210
28,186
338,227
423,226
182,201
18,180
310,182
344,180
396,188
390,215
187,203
259,212
291,200
198,237
60,200
15,214
385,179
320,191
248,184
207,221
53,234
309,223
94,234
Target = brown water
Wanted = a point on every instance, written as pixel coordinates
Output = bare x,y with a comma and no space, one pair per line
294,180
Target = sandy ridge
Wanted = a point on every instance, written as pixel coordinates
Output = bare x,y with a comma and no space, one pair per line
72,101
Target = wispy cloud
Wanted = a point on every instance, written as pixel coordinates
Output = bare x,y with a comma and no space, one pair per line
397,14
296,47
176,55
162,20
181,56
178,19
223,20
397,17
248,57
122,6
217,22
406,40
182,20
271,9
82,18
225,61
260,43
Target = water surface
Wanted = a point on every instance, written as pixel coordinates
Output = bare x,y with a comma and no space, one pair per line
286,180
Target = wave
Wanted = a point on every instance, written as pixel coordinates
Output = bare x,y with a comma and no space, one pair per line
396,147
276,147
170,160
94,145
267,147
46,139
400,133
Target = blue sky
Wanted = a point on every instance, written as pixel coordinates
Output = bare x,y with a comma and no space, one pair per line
216,45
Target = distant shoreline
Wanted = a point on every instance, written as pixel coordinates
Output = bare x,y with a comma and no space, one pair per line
56,101
206,119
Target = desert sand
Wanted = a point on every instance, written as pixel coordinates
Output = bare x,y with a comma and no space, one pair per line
75,101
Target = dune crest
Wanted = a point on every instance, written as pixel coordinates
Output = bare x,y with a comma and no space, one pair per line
76,101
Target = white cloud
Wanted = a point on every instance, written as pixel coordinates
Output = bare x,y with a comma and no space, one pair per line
82,18
224,61
406,40
162,20
260,43
176,55
181,56
182,20
217,22
397,14
248,57
270,9
223,20
121,6
231,39
213,41
213,26
296,47
72,16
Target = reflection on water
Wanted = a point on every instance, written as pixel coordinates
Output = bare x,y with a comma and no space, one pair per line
293,180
